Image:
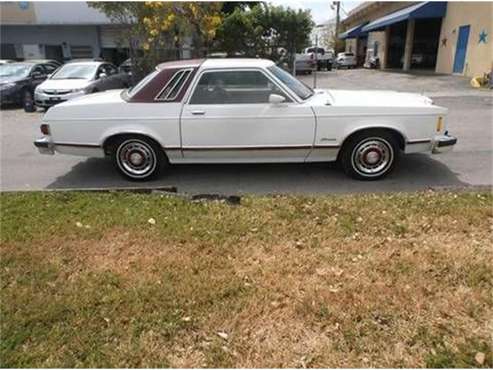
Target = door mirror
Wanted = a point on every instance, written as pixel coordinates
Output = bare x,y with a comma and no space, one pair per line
37,74
102,75
276,99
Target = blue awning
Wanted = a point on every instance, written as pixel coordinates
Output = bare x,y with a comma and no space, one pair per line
353,32
429,9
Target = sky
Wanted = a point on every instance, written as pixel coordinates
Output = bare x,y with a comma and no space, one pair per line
320,9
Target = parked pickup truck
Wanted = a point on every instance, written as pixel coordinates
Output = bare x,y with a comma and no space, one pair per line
314,57
243,111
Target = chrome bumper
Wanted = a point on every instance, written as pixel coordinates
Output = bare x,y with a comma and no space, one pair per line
45,146
443,143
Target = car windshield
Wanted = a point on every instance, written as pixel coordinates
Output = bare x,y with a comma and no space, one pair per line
298,87
75,72
14,70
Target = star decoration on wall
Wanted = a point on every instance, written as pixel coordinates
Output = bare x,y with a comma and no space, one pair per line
482,37
444,41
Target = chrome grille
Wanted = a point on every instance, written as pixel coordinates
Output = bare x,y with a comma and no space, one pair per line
56,92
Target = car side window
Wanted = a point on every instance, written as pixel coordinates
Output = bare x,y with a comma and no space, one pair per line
235,87
110,70
39,70
50,68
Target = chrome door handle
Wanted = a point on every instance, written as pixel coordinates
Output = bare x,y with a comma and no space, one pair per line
198,112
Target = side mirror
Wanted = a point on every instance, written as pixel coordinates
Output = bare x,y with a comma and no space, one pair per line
276,99
49,75
37,75
102,75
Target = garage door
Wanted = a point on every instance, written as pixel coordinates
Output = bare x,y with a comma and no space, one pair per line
111,37
81,51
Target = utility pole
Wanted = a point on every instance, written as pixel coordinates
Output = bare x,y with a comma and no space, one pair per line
316,62
338,8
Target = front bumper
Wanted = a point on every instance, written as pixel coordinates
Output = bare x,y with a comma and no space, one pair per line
443,143
44,145
48,100
10,96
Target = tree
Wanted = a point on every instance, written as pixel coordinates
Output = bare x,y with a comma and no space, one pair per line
156,30
264,31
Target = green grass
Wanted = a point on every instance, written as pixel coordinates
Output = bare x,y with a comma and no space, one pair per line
346,281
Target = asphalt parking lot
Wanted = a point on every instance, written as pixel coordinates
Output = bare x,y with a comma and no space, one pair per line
470,119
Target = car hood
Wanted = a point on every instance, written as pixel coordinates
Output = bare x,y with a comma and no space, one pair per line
68,84
371,98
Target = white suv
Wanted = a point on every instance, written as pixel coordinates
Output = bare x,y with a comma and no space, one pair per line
347,60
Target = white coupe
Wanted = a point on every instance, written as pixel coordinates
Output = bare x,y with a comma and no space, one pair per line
243,111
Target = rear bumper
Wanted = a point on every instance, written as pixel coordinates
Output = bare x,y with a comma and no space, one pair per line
45,146
443,143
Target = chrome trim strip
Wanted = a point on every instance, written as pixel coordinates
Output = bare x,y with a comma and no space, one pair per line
78,145
260,147
419,141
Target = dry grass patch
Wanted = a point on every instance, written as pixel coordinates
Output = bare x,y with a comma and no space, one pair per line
353,281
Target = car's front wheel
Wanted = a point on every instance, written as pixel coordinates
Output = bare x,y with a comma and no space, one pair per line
370,156
28,101
138,158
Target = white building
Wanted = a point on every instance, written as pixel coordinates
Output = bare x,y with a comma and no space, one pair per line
58,30
325,32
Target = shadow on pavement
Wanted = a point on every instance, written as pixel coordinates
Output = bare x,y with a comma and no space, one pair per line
415,172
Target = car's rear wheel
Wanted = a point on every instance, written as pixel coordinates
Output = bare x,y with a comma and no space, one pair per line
138,158
370,155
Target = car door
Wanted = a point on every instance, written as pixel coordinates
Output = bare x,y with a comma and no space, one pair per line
228,118
114,81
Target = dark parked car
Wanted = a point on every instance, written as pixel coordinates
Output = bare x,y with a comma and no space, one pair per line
18,81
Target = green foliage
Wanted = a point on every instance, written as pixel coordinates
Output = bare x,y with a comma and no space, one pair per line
264,30
155,30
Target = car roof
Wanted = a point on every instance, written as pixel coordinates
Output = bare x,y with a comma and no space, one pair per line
180,64
217,63
237,63
86,62
26,63
43,61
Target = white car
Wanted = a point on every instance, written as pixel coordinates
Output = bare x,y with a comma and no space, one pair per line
243,111
75,79
347,60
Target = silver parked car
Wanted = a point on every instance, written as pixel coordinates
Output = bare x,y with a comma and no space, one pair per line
76,79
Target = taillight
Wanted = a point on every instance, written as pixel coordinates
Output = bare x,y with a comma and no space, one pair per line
45,129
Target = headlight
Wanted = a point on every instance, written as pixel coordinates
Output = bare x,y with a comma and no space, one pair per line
82,89
7,86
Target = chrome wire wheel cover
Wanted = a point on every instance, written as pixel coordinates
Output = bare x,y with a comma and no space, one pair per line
136,158
372,157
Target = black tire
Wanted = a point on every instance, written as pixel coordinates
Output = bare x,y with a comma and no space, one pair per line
369,155
28,101
137,158
329,66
